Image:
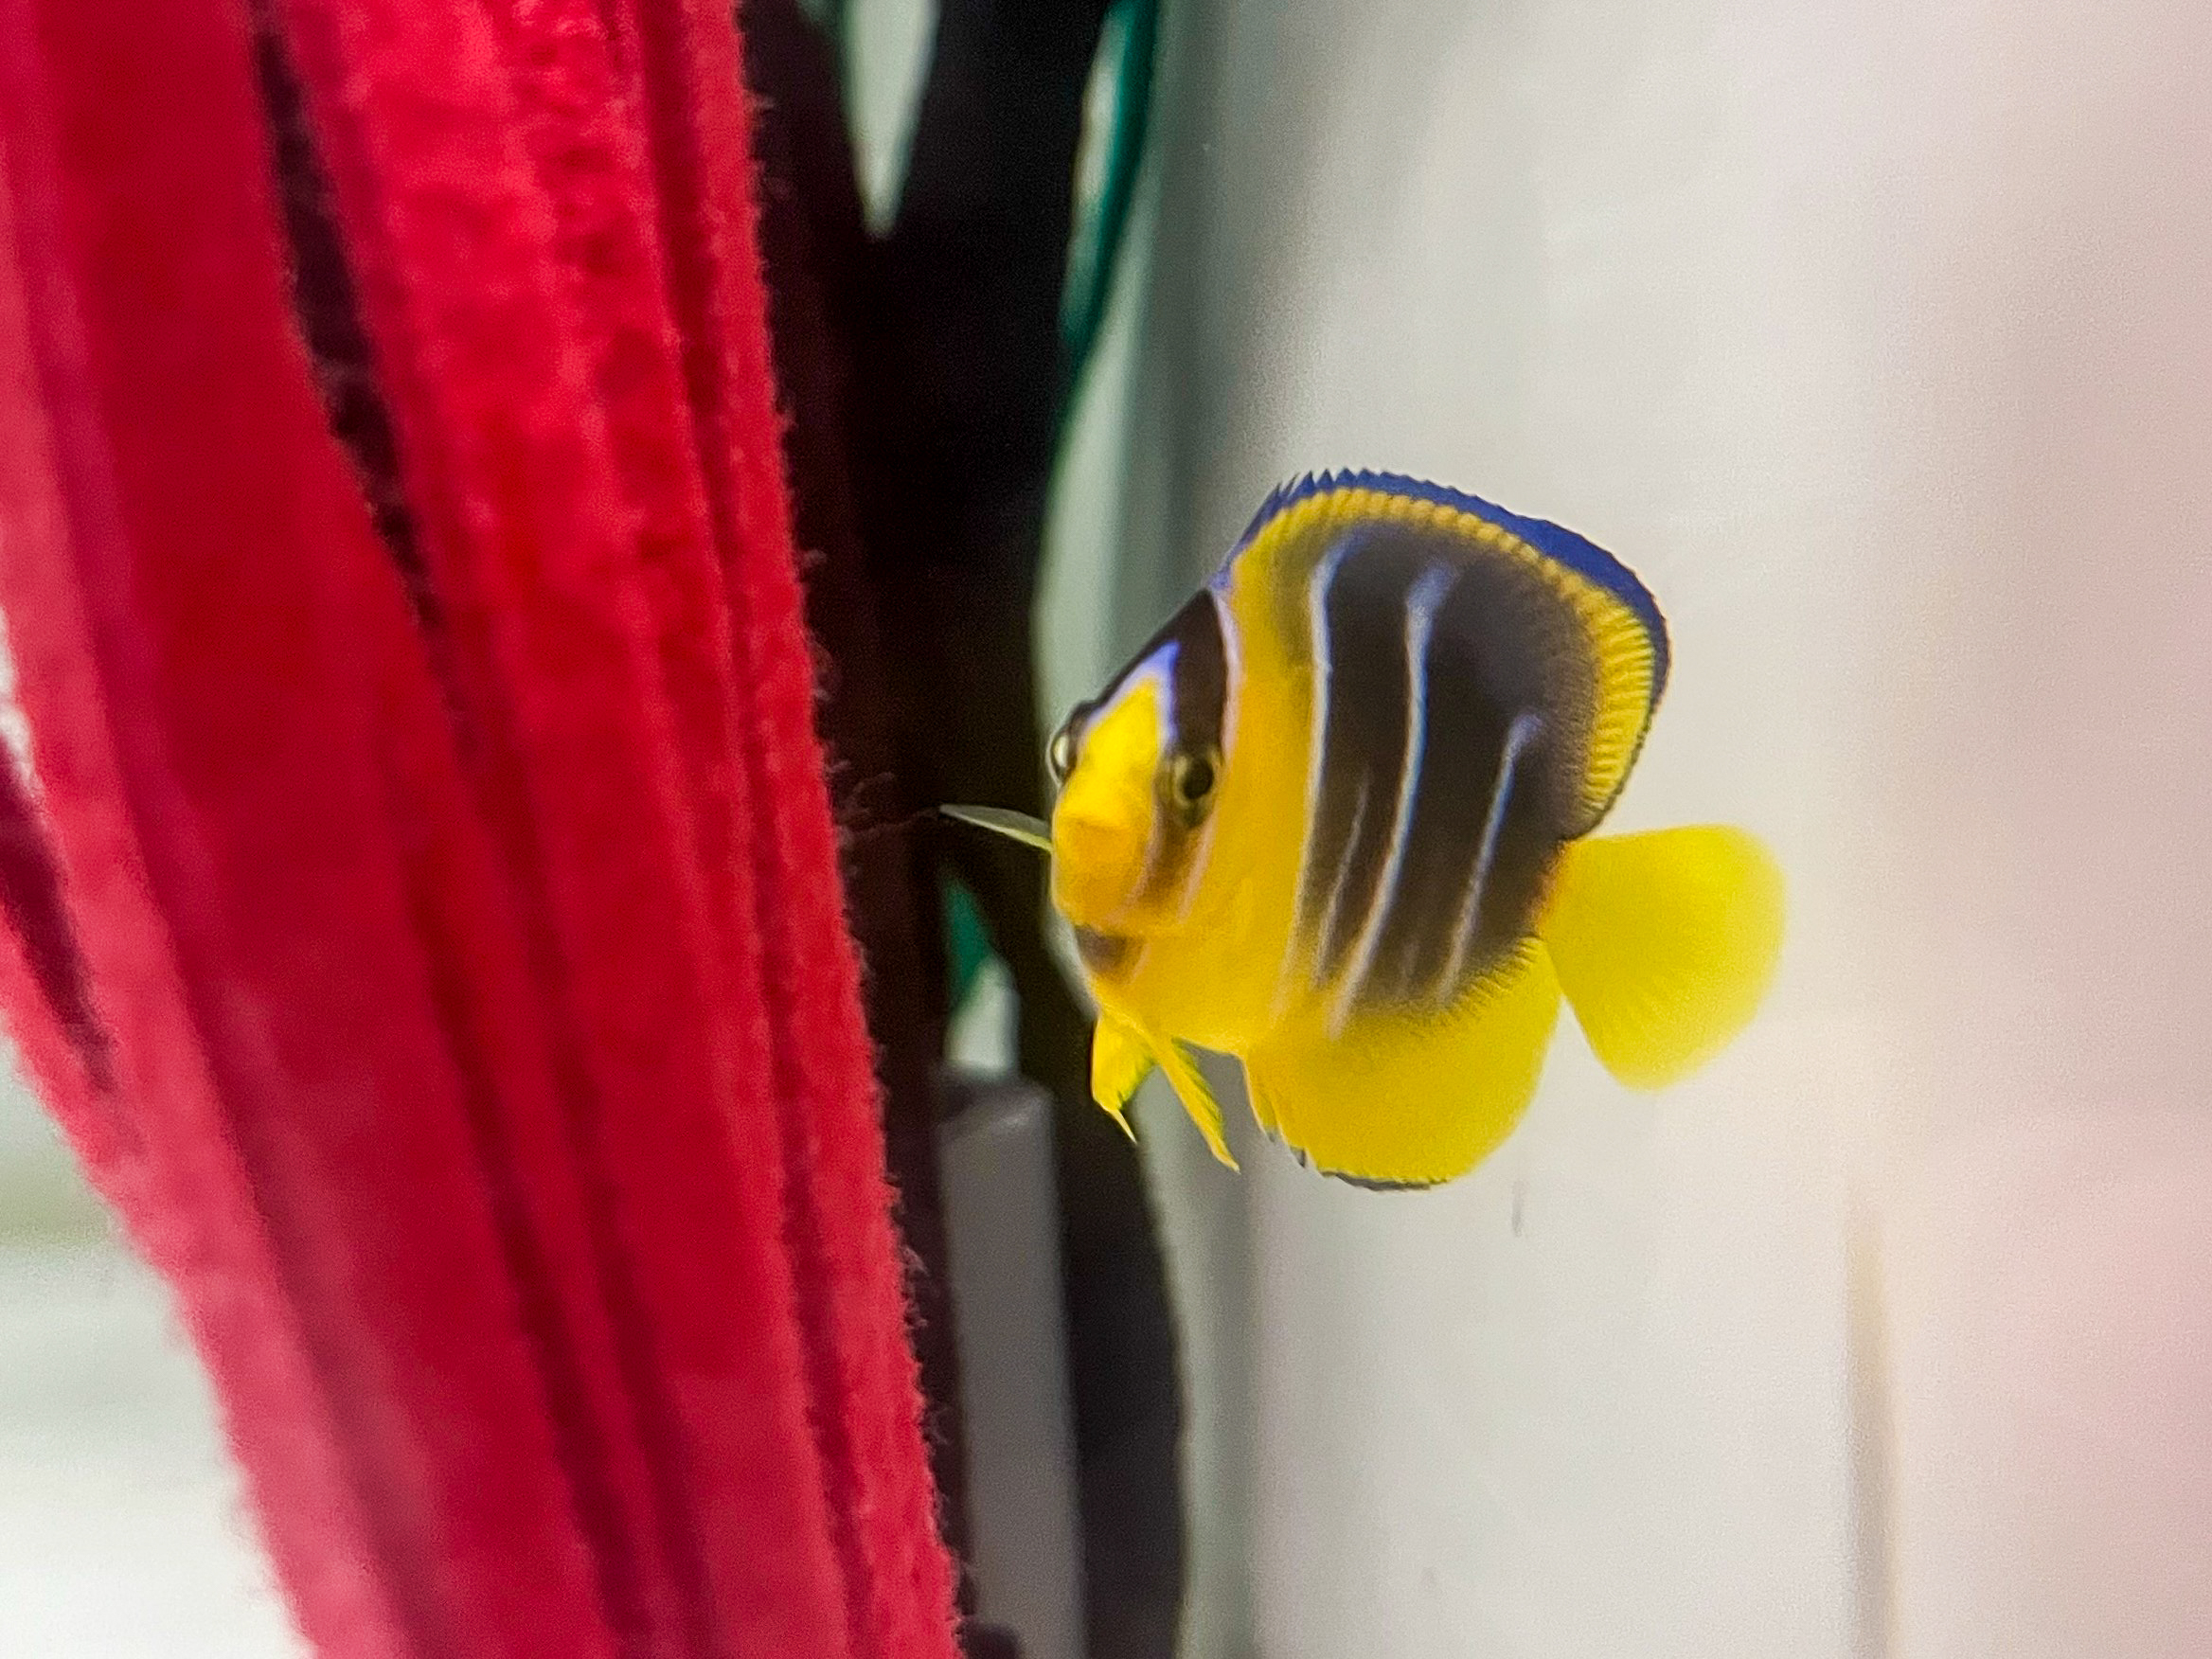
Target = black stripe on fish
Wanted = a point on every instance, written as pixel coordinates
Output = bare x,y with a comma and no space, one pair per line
1388,914
1189,658
1481,841
1411,908
1196,705
1191,645
1202,674
1356,611
1490,907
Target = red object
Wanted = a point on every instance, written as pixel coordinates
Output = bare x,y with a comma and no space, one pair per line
457,1009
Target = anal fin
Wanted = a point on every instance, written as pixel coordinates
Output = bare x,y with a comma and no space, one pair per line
1399,1100
1262,1106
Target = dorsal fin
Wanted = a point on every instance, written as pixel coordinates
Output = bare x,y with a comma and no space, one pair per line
1555,542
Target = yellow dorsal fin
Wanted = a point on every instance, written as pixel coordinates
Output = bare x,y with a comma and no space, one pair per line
1665,944
1623,633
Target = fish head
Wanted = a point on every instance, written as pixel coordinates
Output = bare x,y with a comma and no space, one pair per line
1134,797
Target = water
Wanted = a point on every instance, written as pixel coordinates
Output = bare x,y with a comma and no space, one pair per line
1872,338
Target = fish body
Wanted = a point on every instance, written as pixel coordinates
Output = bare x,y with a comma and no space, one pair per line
1336,820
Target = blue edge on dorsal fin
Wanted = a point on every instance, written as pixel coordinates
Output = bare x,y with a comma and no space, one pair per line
1584,558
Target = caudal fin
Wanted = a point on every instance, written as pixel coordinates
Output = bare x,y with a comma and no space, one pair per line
1664,943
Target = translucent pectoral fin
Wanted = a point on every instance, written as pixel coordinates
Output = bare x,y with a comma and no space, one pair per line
1021,827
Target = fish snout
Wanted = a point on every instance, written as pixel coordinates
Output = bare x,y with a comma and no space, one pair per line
1097,860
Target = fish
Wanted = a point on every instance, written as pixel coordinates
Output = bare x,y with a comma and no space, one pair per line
1337,819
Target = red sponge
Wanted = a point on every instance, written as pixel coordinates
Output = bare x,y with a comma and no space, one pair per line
454,1000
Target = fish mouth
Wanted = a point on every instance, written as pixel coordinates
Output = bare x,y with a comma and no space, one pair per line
1104,952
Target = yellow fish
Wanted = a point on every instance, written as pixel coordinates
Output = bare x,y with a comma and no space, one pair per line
1335,820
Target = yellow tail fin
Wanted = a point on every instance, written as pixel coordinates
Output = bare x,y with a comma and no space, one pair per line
1665,944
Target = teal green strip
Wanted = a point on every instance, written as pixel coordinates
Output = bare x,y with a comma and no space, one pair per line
967,942
1133,29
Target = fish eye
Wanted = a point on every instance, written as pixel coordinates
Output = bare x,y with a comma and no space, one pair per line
1192,779
1060,755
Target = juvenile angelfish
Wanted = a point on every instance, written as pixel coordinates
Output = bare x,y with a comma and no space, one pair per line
1335,820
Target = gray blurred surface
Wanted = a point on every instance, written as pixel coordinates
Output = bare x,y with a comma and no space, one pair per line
1001,1214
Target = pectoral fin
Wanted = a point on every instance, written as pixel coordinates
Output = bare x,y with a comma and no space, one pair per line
1021,827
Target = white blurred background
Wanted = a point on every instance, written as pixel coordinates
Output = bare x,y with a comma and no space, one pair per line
121,1531
1879,339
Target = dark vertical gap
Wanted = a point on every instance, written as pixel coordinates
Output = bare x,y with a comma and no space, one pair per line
36,911
328,311
812,243
960,392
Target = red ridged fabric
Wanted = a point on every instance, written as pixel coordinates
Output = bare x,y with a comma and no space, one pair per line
460,1014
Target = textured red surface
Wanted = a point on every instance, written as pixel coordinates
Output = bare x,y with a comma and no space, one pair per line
462,1017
